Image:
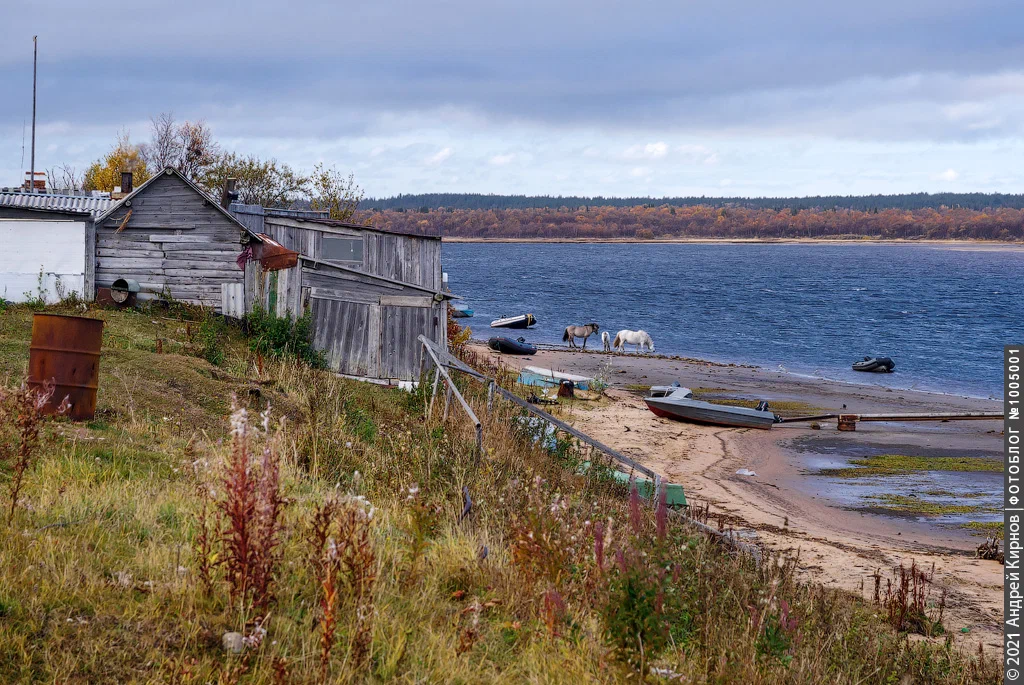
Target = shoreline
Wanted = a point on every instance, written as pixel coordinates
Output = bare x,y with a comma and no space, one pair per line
554,347
970,242
786,507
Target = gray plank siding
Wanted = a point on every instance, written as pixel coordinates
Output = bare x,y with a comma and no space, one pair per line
404,258
364,326
175,239
400,327
250,216
342,331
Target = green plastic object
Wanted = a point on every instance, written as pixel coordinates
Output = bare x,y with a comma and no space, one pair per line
674,495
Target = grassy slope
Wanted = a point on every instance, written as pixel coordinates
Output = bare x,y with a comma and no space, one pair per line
98,580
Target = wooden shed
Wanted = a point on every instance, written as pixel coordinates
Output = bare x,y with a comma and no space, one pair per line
370,293
173,239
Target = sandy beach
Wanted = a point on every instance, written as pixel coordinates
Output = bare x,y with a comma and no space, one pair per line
785,507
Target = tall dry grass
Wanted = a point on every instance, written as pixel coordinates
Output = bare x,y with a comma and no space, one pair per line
112,572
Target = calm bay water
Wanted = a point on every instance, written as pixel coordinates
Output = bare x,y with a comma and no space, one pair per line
943,314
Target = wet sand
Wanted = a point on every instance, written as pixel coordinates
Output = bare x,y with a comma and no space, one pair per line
785,507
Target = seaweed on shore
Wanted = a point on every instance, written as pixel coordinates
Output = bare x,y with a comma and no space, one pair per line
906,504
901,464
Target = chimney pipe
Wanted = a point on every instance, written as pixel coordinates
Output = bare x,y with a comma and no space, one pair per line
228,194
126,182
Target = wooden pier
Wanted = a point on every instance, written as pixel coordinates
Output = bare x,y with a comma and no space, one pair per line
848,422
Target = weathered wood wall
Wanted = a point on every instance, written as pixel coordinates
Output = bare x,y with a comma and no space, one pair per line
412,259
366,326
176,241
365,322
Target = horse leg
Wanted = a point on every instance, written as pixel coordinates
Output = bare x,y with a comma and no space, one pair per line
585,341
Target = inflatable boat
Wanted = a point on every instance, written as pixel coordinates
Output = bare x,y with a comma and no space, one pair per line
510,346
520,321
879,364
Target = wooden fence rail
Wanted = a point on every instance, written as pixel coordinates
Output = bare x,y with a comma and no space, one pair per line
451,390
443,361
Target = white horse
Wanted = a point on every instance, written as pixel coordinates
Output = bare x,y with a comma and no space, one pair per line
638,338
607,341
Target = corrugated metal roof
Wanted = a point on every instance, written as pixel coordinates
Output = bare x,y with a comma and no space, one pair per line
79,203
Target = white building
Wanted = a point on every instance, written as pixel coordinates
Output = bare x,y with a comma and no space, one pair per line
45,254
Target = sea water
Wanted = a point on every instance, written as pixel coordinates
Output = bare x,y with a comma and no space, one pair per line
942,312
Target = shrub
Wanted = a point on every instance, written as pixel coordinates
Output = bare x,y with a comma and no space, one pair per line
644,601
21,418
211,338
906,602
458,336
283,336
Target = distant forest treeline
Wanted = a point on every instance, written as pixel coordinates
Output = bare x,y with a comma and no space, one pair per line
863,203
646,222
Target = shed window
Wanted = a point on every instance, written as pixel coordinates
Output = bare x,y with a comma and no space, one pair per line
342,249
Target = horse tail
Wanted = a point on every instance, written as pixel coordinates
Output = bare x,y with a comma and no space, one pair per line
617,341
565,336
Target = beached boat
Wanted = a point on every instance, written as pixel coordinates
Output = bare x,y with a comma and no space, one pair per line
521,321
510,346
535,375
461,312
879,364
675,402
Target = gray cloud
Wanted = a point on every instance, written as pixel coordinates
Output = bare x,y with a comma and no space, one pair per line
301,81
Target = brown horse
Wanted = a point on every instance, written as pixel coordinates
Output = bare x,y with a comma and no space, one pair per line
573,332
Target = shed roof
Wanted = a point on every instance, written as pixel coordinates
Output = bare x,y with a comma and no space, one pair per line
45,211
81,203
334,223
171,171
320,265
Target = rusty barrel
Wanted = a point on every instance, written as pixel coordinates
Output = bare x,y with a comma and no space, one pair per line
65,350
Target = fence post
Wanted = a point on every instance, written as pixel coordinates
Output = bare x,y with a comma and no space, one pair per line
490,396
479,443
433,393
447,401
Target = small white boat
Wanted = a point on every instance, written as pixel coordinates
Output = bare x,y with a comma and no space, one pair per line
676,402
521,321
535,375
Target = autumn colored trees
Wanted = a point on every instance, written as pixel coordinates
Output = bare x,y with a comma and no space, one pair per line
645,222
190,147
105,173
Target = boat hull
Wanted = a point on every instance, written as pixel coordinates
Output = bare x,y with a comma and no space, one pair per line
696,411
523,321
462,313
532,375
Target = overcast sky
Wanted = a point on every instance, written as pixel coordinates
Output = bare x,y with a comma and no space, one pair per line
555,97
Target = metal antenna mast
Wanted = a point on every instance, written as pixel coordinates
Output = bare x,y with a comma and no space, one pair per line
35,57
